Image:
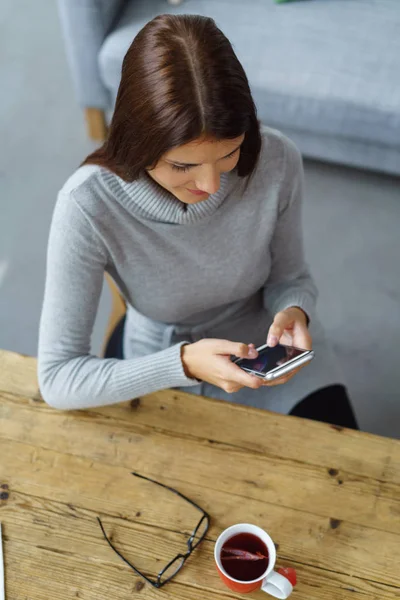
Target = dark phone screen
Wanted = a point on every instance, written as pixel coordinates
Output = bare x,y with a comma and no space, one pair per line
270,358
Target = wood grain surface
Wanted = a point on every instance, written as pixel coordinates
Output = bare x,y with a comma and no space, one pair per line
329,497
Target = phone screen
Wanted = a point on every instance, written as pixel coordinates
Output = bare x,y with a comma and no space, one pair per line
270,358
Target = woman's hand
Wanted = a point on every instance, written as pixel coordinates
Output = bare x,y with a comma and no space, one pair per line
208,360
290,328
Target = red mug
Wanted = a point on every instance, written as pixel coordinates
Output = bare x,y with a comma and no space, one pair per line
270,582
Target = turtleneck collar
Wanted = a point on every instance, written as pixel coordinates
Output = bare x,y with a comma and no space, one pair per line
149,200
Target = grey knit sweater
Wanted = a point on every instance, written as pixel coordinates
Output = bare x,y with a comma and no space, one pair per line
219,268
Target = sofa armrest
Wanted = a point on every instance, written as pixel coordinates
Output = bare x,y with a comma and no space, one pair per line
85,24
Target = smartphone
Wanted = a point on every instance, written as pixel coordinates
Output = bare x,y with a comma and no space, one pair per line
272,363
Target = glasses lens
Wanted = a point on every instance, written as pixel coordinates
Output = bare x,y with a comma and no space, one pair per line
199,532
172,569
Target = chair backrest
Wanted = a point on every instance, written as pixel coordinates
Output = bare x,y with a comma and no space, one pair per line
118,309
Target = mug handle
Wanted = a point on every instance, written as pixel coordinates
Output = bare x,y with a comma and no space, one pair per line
277,585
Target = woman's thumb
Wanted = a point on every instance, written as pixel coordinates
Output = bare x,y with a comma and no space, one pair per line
236,349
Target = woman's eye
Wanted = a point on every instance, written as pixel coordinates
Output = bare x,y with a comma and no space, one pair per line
181,169
185,169
232,153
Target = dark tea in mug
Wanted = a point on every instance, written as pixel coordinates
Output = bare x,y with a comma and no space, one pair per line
244,557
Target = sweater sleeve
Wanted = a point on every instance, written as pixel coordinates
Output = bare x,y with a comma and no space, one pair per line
290,282
69,376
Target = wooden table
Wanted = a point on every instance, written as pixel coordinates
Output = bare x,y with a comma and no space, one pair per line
329,497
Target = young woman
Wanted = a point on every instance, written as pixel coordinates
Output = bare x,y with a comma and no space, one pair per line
194,211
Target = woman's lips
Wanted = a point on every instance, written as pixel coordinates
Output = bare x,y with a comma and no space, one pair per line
196,192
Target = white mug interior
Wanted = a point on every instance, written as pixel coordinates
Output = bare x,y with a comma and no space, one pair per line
245,528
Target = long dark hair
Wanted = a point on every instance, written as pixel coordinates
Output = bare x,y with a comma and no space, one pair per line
181,80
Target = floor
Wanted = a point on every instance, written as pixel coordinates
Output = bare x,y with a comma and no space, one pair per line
351,220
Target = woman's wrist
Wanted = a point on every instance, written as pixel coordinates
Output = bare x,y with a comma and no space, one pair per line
185,353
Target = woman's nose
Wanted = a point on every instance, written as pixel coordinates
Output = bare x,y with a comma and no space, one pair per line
208,181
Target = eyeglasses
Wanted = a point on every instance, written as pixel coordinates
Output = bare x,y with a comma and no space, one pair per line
176,564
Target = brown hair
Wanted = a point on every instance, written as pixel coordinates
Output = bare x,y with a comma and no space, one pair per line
180,80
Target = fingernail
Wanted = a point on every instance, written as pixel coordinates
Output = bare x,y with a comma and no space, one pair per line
272,340
252,353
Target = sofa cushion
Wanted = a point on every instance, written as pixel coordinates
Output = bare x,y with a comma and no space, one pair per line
331,67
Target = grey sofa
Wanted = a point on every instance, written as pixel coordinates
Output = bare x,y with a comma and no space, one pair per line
325,72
